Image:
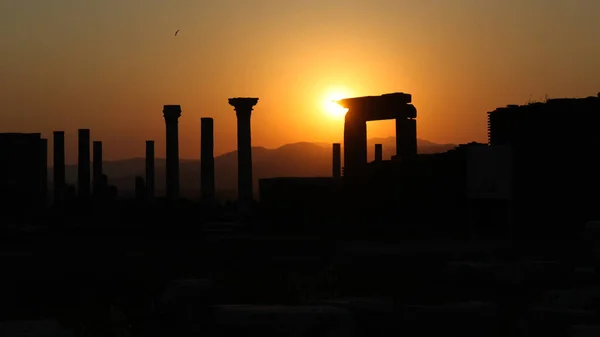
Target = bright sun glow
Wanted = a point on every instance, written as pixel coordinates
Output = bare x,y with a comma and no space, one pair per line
332,108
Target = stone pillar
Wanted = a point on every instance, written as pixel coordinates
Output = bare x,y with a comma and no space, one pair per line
44,170
337,160
59,167
406,138
171,114
150,169
243,109
355,146
378,152
97,164
207,160
83,166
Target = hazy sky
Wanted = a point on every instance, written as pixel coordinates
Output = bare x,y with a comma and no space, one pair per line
110,65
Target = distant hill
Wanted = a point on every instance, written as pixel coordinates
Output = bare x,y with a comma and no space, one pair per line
291,160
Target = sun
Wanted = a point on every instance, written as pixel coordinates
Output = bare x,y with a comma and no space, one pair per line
331,108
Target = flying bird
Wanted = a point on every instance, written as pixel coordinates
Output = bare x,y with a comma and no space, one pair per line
177,31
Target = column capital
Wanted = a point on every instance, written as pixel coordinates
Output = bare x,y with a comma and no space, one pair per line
243,104
172,112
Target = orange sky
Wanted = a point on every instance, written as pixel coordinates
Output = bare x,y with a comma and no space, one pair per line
111,65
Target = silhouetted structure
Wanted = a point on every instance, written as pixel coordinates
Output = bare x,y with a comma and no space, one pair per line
560,139
400,194
337,160
378,152
20,173
243,110
83,164
44,169
171,114
150,169
372,108
207,160
59,167
97,163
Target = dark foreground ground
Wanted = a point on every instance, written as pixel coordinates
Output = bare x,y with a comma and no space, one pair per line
100,285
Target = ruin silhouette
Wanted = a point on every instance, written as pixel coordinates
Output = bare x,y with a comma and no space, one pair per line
497,239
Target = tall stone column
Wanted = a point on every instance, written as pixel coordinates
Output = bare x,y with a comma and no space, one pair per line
207,160
97,164
83,164
243,109
59,167
150,169
171,114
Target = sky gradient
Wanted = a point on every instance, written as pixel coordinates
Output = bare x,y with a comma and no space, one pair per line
111,65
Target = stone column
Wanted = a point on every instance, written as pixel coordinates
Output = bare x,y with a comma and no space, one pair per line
171,114
207,160
97,164
150,169
59,167
83,167
406,133
243,109
355,146
337,160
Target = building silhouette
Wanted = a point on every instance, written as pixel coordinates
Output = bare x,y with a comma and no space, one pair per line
553,147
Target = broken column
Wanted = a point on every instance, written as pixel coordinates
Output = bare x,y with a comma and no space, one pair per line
171,114
59,166
378,152
337,160
97,164
83,164
243,110
150,169
207,160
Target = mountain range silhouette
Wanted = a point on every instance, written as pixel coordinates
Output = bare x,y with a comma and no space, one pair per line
304,159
